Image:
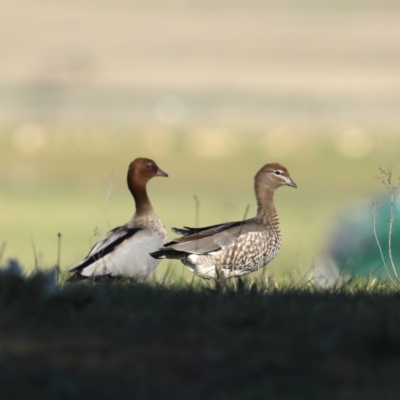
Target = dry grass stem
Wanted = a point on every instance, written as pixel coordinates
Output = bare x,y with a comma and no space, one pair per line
386,177
97,231
2,250
375,207
197,206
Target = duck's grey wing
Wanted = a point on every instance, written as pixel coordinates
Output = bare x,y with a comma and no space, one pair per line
190,234
210,240
228,237
187,230
105,245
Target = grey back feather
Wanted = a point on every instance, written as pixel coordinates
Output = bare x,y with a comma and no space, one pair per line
228,237
214,239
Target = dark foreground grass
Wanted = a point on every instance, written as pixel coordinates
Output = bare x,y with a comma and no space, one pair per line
126,340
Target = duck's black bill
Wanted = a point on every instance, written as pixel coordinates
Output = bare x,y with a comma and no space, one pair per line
160,172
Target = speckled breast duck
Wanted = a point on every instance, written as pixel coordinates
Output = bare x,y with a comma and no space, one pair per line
235,248
124,251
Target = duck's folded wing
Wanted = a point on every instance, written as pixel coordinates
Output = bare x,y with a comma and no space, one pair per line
213,239
105,245
187,230
190,234
228,237
201,245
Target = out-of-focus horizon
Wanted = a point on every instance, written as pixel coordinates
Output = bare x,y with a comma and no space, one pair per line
183,62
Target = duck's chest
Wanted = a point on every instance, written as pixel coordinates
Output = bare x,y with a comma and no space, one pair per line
154,224
254,248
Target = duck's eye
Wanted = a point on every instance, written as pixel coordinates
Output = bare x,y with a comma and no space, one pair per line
278,172
148,165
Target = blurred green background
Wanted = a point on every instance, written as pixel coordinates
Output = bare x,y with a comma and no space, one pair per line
211,90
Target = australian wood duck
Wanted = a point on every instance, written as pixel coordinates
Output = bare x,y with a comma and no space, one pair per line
125,249
234,248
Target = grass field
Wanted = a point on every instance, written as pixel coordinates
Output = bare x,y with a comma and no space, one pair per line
177,340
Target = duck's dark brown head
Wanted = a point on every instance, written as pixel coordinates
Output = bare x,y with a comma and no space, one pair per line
141,170
273,175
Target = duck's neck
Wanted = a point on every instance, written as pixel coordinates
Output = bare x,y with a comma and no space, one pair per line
142,202
266,211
